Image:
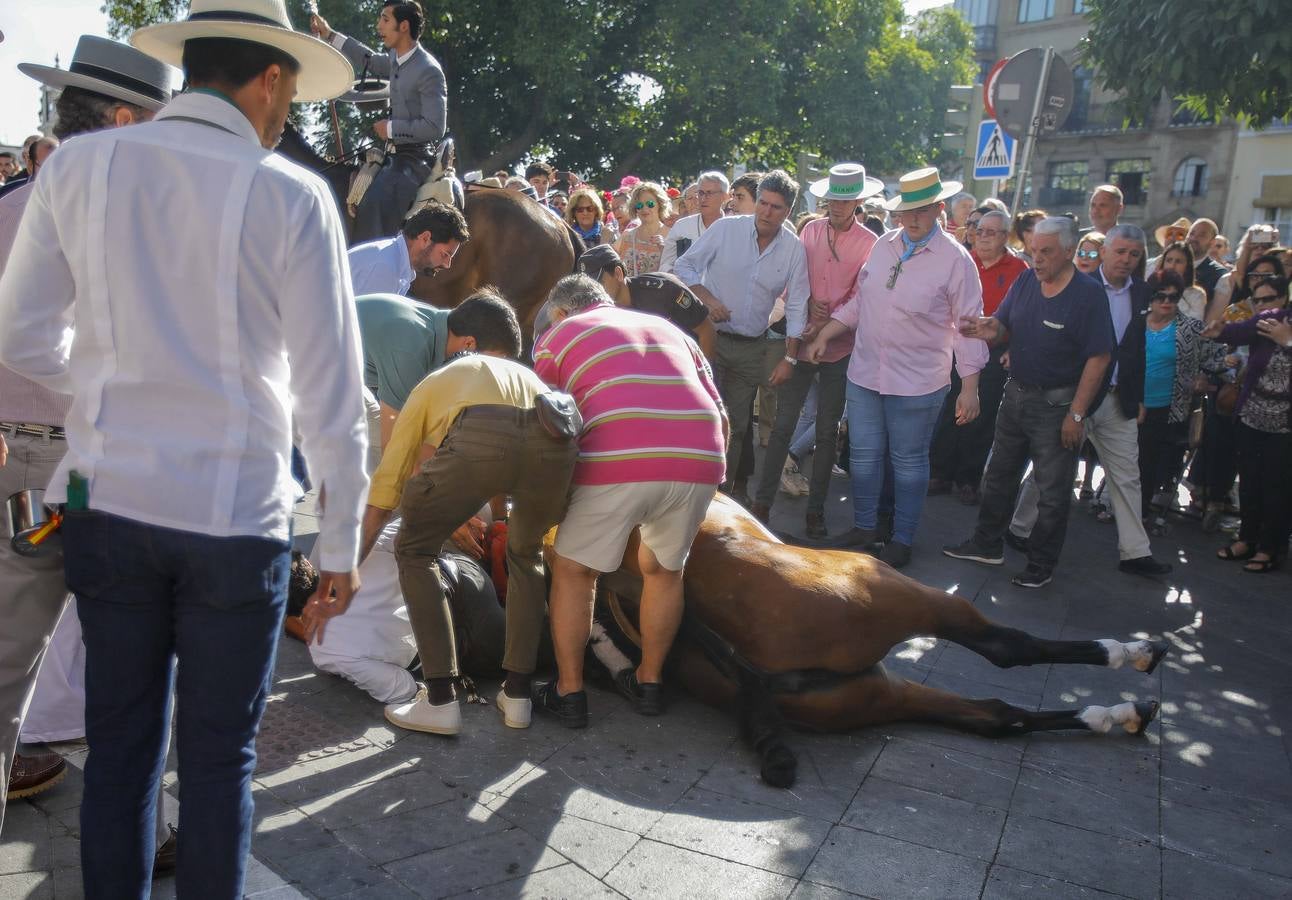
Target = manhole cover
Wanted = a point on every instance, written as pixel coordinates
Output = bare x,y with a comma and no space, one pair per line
291,735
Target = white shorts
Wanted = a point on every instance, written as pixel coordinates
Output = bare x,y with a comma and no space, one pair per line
601,517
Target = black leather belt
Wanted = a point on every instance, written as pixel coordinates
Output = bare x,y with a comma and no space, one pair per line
1038,388
55,432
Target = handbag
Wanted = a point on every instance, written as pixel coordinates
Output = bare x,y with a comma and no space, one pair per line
559,416
1227,398
1197,418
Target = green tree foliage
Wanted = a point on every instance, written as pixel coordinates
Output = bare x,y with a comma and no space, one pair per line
1218,59
664,88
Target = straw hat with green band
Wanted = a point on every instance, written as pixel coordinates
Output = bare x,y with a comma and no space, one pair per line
847,181
923,187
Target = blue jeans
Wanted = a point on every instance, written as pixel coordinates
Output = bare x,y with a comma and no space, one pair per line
901,428
148,596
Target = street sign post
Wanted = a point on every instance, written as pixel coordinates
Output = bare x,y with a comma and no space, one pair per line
994,157
1032,95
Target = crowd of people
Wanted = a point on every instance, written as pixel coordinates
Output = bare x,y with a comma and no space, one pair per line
166,374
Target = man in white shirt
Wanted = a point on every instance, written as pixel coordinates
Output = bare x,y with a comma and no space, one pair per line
429,240
738,268
711,193
198,340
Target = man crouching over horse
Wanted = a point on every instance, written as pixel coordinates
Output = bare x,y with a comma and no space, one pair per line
651,454
418,111
471,430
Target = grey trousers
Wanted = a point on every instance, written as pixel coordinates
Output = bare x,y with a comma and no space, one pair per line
1116,440
32,595
790,397
740,371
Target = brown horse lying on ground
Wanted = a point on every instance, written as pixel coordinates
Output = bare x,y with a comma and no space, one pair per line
777,630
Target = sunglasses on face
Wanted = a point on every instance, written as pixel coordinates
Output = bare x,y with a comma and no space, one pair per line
579,209
1260,276
649,203
1087,254
1167,297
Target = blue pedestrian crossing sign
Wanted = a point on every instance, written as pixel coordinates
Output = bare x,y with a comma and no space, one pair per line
995,155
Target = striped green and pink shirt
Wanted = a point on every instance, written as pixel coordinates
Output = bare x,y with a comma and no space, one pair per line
650,408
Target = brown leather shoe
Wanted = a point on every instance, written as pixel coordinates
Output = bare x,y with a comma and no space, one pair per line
816,526
34,774
761,511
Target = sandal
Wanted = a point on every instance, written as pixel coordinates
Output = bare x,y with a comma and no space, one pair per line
1261,566
1227,552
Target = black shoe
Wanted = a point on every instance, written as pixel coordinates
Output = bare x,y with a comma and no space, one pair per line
571,709
164,858
1018,542
863,539
816,526
971,551
1144,565
645,698
896,554
1033,577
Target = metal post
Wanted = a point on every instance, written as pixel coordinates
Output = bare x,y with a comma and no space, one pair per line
1020,178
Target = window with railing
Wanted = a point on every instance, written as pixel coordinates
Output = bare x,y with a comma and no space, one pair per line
1067,184
1132,176
1191,178
1035,10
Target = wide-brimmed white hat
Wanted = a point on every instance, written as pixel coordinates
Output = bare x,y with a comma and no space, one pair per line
847,181
324,72
1180,224
112,69
920,188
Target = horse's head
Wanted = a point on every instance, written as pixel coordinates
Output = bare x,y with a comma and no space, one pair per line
444,159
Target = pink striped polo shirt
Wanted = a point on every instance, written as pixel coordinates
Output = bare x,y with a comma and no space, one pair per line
650,409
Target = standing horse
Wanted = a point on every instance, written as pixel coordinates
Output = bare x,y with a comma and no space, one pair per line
783,632
516,245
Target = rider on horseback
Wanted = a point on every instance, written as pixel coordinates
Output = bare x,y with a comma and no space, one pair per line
418,111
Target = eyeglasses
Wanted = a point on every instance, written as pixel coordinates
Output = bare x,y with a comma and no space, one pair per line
579,209
989,232
1261,276
972,225
1267,298
1167,296
648,203
703,193
1087,254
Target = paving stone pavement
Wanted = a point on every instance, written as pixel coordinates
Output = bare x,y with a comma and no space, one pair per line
1200,806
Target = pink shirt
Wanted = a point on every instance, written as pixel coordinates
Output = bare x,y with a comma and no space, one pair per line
906,335
650,408
21,401
833,276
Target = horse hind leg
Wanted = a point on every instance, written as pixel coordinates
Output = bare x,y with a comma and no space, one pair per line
907,701
957,620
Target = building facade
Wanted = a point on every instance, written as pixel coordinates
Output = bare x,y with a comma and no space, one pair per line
1173,165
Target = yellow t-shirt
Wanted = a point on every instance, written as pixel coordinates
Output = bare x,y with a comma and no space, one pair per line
434,405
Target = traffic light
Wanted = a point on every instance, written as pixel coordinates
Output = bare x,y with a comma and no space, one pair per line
956,123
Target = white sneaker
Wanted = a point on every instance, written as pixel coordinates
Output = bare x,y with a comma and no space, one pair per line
516,713
793,481
419,714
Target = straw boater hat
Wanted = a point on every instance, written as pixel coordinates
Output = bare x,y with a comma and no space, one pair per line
1181,224
112,69
324,73
920,188
847,181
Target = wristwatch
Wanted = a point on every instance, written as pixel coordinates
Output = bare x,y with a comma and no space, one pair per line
1077,417
792,360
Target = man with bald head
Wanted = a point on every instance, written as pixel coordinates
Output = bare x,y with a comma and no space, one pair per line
1206,271
1106,207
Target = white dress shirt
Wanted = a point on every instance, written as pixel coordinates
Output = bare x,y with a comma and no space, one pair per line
1119,305
372,644
206,282
381,267
747,281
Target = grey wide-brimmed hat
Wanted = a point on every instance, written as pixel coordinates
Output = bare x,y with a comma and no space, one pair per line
847,181
112,69
324,74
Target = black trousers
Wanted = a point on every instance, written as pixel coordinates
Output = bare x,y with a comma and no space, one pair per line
386,202
1161,453
1264,490
1028,428
959,452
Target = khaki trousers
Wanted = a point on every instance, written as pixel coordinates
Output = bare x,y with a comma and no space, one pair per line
33,594
489,450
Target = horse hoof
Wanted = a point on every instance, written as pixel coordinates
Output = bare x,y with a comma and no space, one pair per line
780,767
1147,712
1160,649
